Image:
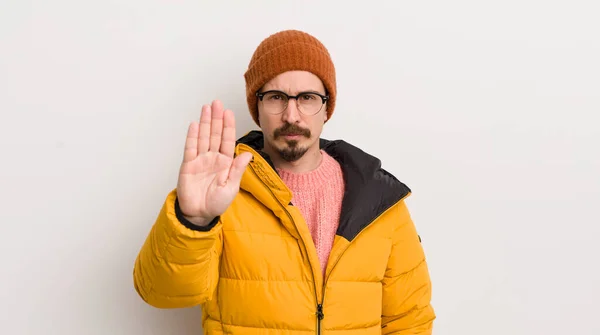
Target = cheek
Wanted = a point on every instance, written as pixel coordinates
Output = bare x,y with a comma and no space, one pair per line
268,124
316,126
263,119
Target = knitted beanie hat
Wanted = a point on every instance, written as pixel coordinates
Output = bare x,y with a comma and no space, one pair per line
286,51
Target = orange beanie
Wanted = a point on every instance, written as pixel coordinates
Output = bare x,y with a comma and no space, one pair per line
286,51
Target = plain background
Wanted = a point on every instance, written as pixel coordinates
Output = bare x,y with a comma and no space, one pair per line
487,110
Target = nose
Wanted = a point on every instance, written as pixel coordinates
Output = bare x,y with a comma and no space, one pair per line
291,114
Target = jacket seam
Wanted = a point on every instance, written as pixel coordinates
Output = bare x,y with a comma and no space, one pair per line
356,281
265,280
169,296
376,324
408,271
264,327
413,326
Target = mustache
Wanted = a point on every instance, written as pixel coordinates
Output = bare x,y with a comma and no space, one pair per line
291,129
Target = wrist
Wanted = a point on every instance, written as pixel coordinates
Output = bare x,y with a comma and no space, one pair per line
198,221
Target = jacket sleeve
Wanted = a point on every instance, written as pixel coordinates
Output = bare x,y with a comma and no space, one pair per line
178,266
407,306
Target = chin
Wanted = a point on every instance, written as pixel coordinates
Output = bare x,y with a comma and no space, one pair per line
292,154
291,150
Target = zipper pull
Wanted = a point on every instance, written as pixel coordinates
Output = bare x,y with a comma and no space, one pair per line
320,314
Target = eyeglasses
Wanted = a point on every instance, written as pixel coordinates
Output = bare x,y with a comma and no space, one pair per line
275,102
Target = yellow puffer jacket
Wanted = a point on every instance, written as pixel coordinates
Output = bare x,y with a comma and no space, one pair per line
255,269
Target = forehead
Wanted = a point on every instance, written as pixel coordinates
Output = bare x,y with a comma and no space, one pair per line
293,82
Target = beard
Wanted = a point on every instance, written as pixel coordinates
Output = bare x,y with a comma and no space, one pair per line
292,151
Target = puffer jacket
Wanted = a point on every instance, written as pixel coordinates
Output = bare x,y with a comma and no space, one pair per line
255,269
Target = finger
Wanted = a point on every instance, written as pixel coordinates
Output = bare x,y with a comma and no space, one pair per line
216,126
203,137
228,138
238,167
191,143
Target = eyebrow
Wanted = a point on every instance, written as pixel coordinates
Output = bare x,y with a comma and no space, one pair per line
297,92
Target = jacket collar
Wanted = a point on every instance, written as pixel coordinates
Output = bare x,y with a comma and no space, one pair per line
369,189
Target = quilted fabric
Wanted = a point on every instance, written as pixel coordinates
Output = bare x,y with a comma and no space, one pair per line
256,270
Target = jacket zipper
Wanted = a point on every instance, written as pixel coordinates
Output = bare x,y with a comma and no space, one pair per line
320,305
319,312
320,315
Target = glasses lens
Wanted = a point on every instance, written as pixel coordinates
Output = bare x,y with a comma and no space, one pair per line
309,103
274,102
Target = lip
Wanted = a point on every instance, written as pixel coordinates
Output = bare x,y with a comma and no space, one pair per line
292,136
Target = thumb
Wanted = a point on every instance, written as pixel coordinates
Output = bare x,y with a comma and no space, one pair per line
238,167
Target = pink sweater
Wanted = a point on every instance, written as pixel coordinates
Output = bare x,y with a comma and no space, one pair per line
318,194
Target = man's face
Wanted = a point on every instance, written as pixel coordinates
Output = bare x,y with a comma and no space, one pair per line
291,133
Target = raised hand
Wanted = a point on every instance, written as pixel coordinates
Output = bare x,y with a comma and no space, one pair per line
210,176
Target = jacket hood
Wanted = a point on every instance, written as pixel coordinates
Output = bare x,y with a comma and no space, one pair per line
369,190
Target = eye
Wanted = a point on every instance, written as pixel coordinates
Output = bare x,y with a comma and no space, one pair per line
308,96
275,96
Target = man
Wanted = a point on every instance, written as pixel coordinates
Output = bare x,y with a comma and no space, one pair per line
281,231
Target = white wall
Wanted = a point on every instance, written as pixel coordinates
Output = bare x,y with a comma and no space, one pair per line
488,110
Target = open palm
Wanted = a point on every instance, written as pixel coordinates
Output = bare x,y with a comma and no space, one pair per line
210,175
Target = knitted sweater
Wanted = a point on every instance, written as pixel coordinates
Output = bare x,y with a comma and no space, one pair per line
318,195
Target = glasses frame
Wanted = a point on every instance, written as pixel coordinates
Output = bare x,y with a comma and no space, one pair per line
324,99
